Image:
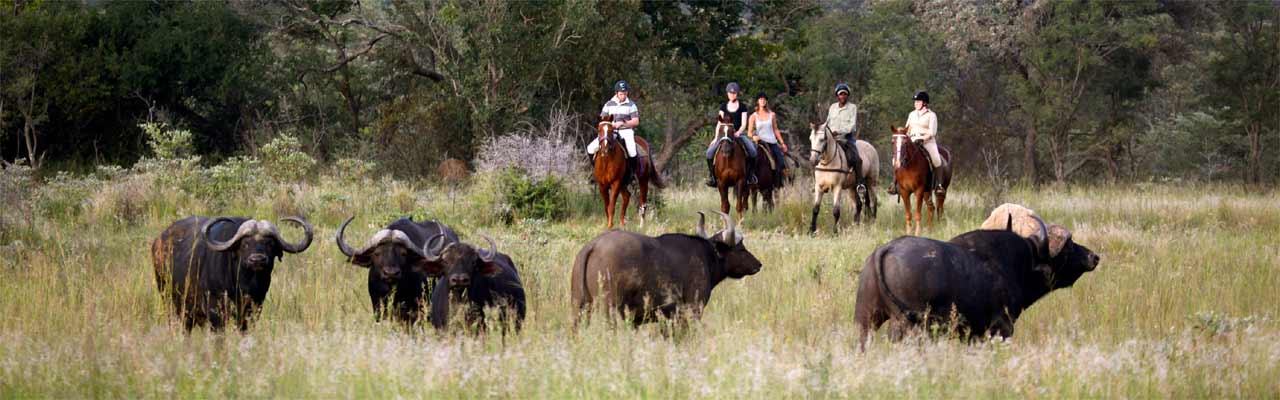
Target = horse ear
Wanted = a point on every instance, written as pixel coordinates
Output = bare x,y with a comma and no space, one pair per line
813,126
606,118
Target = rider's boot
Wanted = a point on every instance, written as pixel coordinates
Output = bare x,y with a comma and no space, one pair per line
938,173
751,171
711,170
632,166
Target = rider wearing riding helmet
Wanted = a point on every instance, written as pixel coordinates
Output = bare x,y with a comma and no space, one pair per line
626,117
842,120
737,114
762,127
922,127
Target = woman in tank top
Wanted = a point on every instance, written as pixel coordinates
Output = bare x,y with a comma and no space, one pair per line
761,126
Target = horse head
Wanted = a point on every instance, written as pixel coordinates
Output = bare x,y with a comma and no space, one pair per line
605,133
900,141
724,128
819,138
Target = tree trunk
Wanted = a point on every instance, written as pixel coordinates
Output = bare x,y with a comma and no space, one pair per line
1255,152
676,139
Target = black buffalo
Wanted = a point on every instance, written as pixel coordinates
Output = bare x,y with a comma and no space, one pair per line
671,275
219,269
473,279
979,282
394,255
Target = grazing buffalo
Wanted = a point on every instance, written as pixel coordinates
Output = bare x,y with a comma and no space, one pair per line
474,279
983,279
672,274
394,256
219,268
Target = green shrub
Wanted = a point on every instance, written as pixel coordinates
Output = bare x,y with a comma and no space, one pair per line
352,170
168,144
65,195
531,198
284,159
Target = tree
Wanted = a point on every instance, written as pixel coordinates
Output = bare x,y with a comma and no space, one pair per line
1246,71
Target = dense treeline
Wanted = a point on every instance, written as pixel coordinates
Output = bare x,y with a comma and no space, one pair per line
1045,90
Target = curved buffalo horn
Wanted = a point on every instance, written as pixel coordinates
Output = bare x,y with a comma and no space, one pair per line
728,236
245,228
702,225
431,251
342,244
298,247
1041,239
487,256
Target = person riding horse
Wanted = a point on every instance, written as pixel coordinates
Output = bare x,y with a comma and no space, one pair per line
736,112
922,127
626,117
842,120
762,128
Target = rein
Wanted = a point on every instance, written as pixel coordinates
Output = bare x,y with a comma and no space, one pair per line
827,153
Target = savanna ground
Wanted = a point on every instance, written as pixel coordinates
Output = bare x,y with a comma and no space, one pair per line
1181,306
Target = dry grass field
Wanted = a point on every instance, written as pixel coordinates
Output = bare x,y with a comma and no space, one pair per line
1183,305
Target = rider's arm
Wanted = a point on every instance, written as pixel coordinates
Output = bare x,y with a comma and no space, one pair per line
932,118
751,126
778,133
744,123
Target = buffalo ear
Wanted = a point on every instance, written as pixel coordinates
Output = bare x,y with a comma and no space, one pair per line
362,260
490,269
433,269
1058,238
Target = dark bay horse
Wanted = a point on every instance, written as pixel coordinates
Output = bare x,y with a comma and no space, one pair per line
611,169
730,162
911,168
766,181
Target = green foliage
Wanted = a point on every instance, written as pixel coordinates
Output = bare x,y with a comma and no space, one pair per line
284,159
168,144
528,198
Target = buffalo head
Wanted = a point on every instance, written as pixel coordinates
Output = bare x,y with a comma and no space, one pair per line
459,262
389,252
257,243
728,242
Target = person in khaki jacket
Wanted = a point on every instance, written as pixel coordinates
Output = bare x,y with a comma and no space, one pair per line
842,120
922,127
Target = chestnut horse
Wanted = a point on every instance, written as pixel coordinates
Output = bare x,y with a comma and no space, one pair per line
730,162
611,170
911,168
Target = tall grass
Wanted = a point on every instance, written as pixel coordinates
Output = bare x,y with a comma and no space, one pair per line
1182,305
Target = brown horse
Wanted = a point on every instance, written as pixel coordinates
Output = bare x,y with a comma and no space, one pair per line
730,162
912,169
611,169
766,181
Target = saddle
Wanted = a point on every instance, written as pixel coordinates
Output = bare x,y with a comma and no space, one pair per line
768,155
738,143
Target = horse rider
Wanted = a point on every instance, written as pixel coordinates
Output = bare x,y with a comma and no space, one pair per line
626,117
761,128
842,121
922,128
737,114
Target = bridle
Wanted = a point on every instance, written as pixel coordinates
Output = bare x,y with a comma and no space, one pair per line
899,155
826,152
607,137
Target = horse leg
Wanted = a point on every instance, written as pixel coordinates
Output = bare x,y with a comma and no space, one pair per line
817,206
905,198
942,199
626,201
604,197
613,200
740,191
724,198
928,202
920,194
835,207
644,199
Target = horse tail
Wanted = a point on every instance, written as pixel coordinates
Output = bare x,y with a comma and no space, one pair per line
655,177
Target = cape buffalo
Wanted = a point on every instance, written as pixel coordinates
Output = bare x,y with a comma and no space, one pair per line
394,255
672,274
983,279
219,268
473,279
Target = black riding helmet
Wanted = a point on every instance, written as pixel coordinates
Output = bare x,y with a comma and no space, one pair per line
922,96
621,86
842,87
761,95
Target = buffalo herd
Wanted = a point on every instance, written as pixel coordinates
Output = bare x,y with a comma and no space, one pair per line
218,270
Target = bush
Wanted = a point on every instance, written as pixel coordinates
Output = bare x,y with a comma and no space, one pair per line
352,170
540,153
532,198
15,194
284,159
